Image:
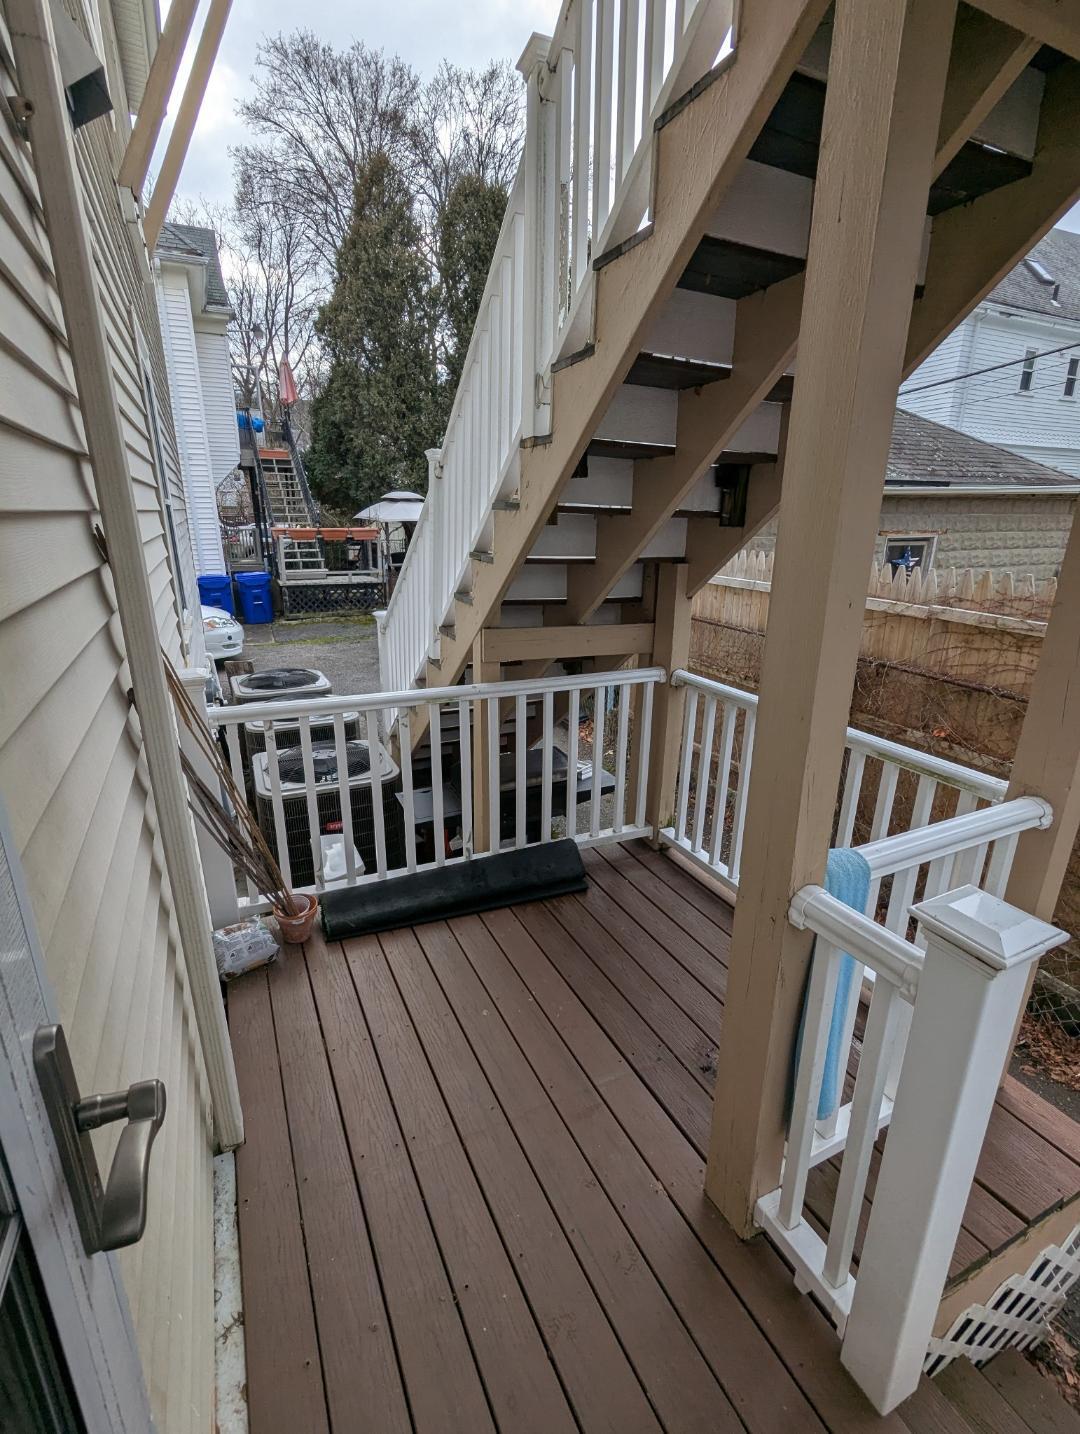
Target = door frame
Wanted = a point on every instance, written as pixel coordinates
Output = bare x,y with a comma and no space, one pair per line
85,1293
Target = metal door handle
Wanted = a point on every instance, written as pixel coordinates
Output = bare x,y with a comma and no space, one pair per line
114,1217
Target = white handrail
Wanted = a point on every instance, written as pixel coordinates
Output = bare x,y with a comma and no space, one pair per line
956,834
888,955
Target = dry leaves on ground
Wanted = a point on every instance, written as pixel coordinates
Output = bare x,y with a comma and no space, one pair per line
1047,1051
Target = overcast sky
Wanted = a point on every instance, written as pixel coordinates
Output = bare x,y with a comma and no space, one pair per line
422,32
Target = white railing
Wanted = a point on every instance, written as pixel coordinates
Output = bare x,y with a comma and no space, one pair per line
511,764
595,90
713,784
952,998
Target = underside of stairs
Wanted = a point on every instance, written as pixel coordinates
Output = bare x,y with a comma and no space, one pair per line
665,417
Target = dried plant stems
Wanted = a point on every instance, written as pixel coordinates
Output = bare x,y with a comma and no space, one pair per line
233,826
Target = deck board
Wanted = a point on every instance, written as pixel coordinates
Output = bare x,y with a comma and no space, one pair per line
438,1370
472,1193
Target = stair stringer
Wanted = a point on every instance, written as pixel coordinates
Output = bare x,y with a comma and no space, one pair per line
722,121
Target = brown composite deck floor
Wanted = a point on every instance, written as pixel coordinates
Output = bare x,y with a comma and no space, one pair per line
470,1195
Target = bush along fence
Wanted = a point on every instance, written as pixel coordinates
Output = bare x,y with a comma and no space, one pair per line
946,666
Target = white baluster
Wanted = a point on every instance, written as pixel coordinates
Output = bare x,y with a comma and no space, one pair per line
862,1130
723,778
583,74
573,724
520,754
602,101
466,778
817,1019
742,795
686,764
704,772
375,777
596,787
643,754
345,798
546,781
622,693
280,834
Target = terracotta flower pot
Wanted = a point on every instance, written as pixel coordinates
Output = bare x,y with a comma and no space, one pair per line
296,925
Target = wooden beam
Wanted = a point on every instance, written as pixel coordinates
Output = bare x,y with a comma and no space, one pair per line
1051,22
987,58
671,650
186,116
975,245
882,111
708,547
521,644
1047,761
698,154
135,165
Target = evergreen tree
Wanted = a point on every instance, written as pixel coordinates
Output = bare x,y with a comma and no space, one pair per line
379,409
468,232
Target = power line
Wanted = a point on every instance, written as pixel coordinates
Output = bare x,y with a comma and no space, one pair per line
993,368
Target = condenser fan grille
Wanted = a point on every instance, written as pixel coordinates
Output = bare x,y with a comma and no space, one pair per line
324,762
281,679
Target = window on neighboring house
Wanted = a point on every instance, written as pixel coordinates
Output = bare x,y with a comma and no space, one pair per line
1028,371
1070,377
909,553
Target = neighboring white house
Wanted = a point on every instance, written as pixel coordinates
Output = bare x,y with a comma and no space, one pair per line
195,315
1031,407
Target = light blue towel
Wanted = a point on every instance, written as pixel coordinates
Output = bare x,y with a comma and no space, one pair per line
847,877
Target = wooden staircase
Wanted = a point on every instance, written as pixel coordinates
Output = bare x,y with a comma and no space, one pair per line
658,419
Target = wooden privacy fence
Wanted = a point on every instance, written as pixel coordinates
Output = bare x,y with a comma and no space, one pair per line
956,623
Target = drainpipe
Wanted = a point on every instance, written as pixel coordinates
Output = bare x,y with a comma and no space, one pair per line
58,181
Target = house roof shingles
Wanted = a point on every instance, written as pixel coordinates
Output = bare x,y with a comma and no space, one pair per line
191,241
928,455
1058,255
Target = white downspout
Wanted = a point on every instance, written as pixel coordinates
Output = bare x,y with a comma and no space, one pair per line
58,181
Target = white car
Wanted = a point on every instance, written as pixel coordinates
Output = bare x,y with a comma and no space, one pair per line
223,635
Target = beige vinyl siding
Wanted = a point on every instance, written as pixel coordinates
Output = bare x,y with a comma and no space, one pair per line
72,771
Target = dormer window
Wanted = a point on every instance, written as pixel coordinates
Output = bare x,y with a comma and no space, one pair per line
1028,371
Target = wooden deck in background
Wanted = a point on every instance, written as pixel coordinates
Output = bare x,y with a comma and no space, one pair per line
471,1193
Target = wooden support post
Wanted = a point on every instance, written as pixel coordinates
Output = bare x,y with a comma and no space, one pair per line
184,124
483,796
882,111
671,649
1047,762
155,101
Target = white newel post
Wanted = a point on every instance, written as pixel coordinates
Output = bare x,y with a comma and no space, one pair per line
979,951
438,548
386,681
217,866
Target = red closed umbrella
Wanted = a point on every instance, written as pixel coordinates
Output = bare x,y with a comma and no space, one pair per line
286,384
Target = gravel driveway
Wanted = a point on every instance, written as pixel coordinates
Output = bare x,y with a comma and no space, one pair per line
344,648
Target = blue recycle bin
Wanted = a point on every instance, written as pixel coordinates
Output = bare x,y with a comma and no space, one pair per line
215,590
256,603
